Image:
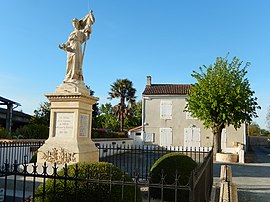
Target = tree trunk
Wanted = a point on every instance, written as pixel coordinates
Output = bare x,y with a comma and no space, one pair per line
217,140
122,102
122,122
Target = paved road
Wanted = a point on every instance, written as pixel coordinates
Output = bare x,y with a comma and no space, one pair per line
252,179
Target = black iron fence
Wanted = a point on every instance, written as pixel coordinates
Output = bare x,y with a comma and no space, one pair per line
20,151
136,159
201,180
20,181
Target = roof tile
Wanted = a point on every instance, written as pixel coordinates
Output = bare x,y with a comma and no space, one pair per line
167,89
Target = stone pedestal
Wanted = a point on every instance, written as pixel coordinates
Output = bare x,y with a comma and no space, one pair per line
70,126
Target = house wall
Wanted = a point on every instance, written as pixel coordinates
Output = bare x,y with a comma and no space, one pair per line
153,122
235,136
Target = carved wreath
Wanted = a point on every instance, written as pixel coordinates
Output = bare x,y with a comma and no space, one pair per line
59,156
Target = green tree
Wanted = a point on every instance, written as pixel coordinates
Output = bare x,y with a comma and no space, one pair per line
254,129
123,89
222,96
38,128
265,132
136,118
32,131
3,133
95,109
42,114
106,118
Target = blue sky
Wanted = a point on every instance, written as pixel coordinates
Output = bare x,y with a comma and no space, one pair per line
131,39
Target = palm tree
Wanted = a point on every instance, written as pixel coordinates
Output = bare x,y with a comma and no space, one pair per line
123,89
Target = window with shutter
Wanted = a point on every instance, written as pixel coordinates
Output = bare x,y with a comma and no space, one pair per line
192,137
166,109
166,138
149,137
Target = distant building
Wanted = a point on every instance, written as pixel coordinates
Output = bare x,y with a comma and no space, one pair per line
135,134
11,119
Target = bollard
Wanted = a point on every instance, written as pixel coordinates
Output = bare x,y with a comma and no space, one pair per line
226,173
228,190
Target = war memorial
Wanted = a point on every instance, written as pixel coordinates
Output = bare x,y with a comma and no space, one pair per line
71,105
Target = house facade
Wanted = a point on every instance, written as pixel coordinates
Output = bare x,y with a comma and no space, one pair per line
165,123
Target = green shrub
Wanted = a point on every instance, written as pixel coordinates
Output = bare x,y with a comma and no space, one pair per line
32,131
76,190
169,164
3,133
105,133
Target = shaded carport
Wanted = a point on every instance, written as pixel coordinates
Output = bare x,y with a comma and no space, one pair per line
9,112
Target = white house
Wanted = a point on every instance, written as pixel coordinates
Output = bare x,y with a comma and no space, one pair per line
165,123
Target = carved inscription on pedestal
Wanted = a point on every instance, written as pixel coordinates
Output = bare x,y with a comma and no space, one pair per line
84,125
64,124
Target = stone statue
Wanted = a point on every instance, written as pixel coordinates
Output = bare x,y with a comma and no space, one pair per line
73,47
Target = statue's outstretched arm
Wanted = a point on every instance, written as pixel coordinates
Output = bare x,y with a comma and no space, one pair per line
66,48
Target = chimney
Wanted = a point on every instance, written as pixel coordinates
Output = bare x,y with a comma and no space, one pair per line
148,80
